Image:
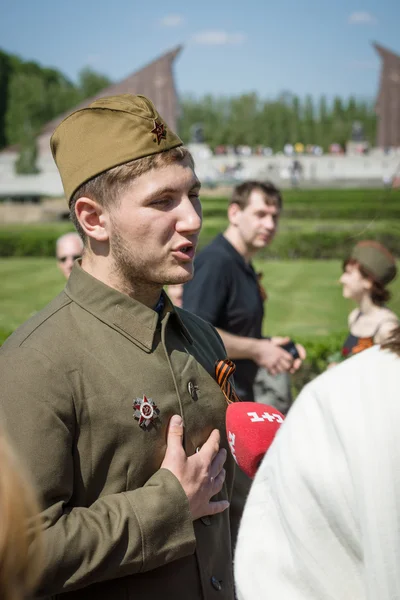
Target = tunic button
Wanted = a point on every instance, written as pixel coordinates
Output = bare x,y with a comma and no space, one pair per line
193,389
205,520
216,584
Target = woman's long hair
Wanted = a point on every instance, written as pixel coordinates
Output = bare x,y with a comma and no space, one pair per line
20,543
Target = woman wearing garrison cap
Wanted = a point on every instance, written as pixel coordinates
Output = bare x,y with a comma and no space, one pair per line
366,273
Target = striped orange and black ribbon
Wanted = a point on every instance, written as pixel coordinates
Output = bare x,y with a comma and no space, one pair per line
223,370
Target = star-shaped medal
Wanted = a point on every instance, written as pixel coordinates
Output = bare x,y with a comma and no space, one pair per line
146,411
160,131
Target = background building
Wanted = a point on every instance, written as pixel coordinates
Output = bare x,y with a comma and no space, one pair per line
388,100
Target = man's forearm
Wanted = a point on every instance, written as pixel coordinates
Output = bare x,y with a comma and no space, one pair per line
237,346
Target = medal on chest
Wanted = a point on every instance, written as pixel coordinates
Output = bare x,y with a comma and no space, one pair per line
146,411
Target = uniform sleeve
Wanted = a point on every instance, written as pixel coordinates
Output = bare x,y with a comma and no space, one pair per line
207,293
118,535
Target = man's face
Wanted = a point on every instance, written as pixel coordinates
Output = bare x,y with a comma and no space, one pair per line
257,223
68,250
155,227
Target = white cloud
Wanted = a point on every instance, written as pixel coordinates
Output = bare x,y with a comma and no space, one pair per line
361,18
218,38
172,21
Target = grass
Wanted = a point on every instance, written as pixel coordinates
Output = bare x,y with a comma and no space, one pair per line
305,298
27,284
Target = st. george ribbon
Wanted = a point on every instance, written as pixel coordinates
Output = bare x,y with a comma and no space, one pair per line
250,428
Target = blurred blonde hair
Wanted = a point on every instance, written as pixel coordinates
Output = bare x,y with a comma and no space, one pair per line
20,544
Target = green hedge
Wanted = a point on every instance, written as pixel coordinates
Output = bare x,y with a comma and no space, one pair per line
326,244
318,351
318,244
289,244
31,240
326,204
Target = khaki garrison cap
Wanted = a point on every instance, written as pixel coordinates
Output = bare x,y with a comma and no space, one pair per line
376,259
109,132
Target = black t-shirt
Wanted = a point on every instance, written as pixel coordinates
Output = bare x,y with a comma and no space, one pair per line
225,292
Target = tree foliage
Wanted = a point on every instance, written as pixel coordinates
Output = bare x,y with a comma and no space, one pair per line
31,96
249,120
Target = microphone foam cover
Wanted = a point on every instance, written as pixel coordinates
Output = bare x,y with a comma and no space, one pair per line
250,428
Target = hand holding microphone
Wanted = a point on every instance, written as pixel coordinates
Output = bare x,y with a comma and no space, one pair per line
251,428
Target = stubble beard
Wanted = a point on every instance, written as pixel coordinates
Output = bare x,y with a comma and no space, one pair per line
129,272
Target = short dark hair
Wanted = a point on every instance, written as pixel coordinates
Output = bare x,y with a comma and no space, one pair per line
241,193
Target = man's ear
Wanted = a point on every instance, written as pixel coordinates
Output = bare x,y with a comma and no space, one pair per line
234,212
92,219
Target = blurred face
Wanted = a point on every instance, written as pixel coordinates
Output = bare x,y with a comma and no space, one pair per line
155,227
257,223
68,250
354,284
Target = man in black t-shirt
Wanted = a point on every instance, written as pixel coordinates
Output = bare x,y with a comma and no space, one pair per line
226,292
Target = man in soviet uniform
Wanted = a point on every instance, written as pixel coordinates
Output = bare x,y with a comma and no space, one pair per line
110,394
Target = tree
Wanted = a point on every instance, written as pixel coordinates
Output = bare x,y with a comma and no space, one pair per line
5,72
309,122
90,82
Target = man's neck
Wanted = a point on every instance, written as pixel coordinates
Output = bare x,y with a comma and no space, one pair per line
232,235
99,267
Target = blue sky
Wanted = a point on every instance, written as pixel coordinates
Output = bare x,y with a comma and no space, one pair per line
302,46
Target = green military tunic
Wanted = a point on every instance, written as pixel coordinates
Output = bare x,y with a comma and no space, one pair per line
115,524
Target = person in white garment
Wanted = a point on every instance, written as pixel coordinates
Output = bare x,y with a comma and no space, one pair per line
322,520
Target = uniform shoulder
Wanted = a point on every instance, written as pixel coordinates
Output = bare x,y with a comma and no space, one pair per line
190,320
33,326
196,325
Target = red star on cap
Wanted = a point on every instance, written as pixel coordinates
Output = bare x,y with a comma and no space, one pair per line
160,131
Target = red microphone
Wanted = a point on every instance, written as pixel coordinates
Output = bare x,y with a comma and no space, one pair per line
250,428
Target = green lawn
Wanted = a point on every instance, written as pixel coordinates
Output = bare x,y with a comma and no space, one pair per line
27,284
305,298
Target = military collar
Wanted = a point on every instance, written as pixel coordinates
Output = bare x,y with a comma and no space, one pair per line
130,317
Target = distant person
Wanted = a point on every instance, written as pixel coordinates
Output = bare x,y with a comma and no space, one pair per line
69,247
20,567
296,171
366,273
226,290
322,517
